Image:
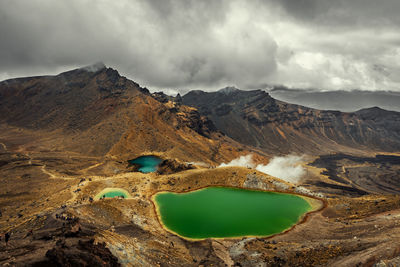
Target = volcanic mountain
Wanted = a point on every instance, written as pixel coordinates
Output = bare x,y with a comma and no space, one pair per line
95,111
255,118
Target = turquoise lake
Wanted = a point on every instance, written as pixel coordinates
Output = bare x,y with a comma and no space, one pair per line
146,163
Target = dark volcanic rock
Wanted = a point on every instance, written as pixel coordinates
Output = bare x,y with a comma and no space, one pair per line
57,242
86,253
377,174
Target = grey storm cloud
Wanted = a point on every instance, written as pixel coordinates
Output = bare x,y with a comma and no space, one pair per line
192,44
343,13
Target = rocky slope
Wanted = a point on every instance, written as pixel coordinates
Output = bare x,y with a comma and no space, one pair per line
95,111
255,118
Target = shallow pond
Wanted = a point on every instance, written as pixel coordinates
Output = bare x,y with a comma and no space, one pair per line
229,212
112,192
146,163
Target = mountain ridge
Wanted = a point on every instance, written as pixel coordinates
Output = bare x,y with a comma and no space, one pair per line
345,101
257,119
79,103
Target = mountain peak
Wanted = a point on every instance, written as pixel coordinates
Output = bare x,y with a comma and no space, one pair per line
376,108
94,67
228,90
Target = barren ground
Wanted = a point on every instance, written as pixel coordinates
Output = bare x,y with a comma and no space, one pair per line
39,186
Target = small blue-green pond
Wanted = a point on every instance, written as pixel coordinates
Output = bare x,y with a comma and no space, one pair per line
146,163
111,193
115,193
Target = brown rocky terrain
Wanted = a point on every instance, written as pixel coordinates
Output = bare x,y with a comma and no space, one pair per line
349,231
65,138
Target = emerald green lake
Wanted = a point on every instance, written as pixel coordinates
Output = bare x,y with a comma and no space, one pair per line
111,193
146,163
229,212
115,194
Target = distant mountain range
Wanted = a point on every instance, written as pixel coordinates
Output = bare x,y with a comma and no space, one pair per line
346,101
255,118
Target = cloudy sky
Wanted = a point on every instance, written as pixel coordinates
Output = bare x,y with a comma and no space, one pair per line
208,44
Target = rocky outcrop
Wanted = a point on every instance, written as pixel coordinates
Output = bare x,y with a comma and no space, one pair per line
57,243
169,166
187,117
164,98
85,253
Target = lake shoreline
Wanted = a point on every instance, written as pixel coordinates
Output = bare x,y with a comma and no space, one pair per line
110,189
317,204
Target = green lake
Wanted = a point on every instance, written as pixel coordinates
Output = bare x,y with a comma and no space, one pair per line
146,163
218,212
111,193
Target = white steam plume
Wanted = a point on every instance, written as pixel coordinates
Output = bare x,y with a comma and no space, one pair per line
242,161
287,168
